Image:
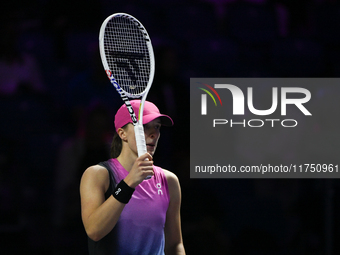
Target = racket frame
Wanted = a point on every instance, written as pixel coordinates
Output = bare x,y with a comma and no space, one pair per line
137,122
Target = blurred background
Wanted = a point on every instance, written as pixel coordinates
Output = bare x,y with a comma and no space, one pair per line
57,108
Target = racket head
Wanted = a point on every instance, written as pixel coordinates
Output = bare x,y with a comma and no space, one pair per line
127,54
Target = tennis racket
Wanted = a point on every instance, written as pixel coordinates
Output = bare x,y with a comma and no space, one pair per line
128,59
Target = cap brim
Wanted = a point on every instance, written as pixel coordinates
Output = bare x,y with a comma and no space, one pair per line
165,119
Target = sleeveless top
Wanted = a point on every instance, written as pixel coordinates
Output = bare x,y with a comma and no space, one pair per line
140,228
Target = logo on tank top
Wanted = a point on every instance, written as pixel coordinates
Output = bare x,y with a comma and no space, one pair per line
159,186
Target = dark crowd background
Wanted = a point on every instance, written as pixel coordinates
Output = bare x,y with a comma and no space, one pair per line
57,109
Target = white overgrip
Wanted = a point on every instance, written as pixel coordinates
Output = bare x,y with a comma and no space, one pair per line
140,139
140,142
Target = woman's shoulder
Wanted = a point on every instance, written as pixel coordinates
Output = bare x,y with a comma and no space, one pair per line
170,175
173,186
97,175
96,170
172,179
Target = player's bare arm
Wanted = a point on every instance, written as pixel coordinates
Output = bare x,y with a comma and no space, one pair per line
99,215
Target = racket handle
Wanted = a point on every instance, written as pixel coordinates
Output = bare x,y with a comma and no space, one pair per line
140,142
140,139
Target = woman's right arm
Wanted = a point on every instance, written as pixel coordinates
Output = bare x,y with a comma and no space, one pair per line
99,215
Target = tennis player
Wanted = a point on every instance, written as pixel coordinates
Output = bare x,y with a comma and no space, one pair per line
121,211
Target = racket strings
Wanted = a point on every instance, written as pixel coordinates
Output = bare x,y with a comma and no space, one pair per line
127,54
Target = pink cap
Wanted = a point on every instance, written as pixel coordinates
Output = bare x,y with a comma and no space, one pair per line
150,113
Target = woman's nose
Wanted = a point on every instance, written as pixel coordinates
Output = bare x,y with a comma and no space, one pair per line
153,133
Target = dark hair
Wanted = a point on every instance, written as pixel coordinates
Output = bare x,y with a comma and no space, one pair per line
116,145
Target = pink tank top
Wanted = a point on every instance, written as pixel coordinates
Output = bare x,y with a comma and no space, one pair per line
141,224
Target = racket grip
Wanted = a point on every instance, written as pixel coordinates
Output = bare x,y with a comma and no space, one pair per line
140,142
140,139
